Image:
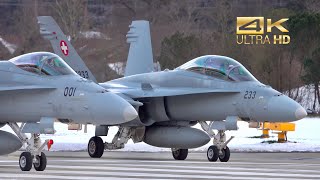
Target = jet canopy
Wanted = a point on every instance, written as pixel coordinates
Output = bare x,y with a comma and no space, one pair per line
220,67
43,63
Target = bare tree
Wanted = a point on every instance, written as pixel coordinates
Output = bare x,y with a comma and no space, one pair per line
73,15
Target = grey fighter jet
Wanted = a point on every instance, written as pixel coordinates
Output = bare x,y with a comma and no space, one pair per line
210,88
38,89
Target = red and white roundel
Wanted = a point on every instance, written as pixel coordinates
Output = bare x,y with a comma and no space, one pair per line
64,47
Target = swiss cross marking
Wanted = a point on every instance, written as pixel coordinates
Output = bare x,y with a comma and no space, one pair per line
64,47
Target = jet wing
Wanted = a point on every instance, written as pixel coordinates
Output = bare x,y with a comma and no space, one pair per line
6,88
146,90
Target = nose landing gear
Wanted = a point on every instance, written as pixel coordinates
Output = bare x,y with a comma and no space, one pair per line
219,149
33,154
27,159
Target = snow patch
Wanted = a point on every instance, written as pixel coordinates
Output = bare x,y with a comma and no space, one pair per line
118,67
94,35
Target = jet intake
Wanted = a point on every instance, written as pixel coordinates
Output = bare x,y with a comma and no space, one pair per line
175,137
9,143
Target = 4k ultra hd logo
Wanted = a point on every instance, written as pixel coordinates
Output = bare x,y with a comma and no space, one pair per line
254,30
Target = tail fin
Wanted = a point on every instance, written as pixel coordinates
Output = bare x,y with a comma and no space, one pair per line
140,58
49,29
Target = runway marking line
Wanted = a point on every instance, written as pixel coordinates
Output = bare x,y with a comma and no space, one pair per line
126,169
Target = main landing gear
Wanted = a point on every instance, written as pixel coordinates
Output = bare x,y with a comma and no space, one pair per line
95,147
213,154
179,154
33,154
219,149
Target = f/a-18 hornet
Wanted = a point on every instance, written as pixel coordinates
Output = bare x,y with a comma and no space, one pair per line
210,88
38,89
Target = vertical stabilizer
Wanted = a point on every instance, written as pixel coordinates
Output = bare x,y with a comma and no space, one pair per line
50,30
140,57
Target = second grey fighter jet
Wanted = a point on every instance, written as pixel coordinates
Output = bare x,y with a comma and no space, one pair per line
210,88
38,89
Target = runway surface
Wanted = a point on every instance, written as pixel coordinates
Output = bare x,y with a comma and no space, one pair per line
130,165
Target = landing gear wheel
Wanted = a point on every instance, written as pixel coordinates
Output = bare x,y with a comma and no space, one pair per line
213,153
41,163
224,156
180,154
25,161
95,147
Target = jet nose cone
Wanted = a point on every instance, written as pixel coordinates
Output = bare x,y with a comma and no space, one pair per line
300,113
129,113
284,109
111,109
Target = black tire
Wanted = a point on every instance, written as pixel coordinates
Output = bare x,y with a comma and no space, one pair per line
25,161
212,153
42,162
180,154
95,147
224,156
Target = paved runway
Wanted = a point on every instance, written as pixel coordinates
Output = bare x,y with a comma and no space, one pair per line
130,165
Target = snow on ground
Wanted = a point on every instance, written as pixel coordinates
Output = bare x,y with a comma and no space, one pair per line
118,67
94,35
305,139
11,47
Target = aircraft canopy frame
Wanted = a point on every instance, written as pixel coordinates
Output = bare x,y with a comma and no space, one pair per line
43,63
220,67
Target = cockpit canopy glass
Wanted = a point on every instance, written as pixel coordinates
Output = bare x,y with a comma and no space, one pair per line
43,63
220,67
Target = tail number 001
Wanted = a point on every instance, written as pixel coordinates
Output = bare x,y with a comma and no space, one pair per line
69,91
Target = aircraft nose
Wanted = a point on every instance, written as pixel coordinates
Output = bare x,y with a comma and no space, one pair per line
111,109
121,109
300,113
129,113
284,109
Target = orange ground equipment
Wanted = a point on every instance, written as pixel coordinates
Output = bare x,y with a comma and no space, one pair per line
279,128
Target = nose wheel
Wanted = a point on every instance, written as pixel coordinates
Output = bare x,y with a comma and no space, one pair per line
224,154
25,161
41,162
213,153
219,149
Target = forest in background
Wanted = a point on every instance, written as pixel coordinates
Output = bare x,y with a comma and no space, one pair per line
180,30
